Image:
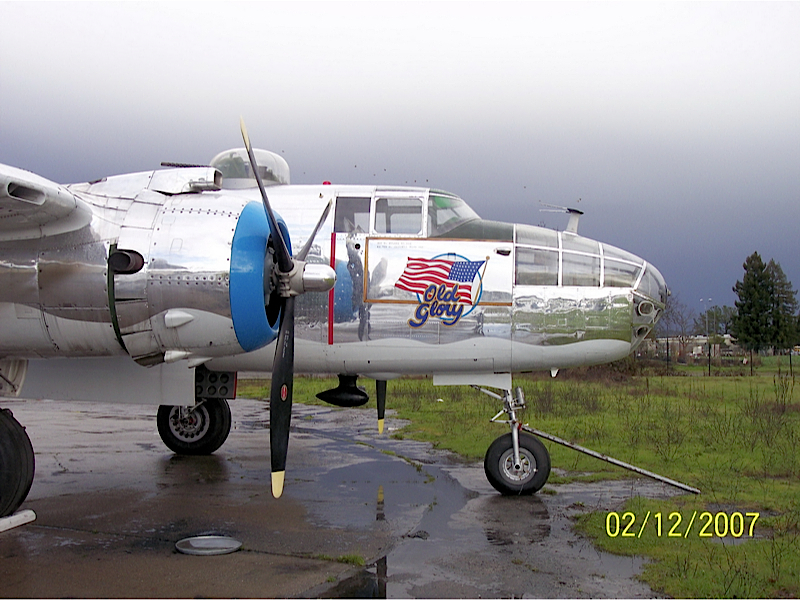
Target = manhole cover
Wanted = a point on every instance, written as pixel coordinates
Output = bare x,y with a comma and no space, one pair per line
208,545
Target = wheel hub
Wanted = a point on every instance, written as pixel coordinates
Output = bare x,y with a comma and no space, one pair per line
526,470
189,424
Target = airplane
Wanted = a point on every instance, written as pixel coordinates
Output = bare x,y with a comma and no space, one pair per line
158,287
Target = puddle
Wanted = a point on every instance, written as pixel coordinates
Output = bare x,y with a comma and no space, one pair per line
369,583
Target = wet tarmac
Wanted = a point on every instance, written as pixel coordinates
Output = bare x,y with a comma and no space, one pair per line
363,515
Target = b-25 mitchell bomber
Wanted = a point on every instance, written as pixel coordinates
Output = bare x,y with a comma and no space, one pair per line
158,287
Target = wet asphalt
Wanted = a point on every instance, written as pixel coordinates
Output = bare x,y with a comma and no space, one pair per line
112,501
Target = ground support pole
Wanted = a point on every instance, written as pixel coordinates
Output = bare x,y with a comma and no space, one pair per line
613,461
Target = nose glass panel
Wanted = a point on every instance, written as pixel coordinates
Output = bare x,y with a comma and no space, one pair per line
653,285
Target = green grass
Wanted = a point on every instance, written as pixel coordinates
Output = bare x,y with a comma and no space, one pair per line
736,438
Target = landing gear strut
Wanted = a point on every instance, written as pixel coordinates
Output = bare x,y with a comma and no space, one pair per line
516,463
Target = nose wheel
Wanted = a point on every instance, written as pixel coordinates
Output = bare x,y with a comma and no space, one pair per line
510,477
516,463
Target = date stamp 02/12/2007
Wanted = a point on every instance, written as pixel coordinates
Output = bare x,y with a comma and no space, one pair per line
674,525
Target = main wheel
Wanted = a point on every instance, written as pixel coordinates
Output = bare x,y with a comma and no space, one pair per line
505,477
17,463
198,429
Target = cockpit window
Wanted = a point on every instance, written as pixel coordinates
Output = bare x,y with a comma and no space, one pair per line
398,216
446,212
352,215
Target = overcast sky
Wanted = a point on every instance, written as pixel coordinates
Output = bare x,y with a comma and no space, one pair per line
677,125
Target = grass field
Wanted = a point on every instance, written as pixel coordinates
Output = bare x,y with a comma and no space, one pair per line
735,437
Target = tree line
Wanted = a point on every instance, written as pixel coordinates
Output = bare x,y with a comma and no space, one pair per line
765,314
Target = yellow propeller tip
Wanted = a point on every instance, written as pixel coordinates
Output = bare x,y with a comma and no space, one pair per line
244,132
277,483
380,425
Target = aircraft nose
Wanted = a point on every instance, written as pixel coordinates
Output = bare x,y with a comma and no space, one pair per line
653,285
650,297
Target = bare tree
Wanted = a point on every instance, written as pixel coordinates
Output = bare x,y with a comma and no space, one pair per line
678,322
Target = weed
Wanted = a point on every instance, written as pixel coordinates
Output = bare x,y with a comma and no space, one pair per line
352,559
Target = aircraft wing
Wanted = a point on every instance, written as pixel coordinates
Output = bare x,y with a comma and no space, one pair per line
32,207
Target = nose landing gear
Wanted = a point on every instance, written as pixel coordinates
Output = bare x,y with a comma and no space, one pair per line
516,463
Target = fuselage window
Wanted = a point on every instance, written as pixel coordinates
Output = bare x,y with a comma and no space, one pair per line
580,269
536,267
620,274
536,236
570,241
398,216
352,215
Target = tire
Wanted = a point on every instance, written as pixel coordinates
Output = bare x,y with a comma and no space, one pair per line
499,467
196,430
17,463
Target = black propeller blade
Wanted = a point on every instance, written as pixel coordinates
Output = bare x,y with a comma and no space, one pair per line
280,397
288,271
380,388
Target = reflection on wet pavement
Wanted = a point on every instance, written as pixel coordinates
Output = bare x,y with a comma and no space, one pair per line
112,501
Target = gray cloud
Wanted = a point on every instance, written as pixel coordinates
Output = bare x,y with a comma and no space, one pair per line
676,123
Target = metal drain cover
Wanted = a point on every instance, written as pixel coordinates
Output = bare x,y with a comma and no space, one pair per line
208,545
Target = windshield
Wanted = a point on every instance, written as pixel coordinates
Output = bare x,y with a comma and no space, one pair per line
446,212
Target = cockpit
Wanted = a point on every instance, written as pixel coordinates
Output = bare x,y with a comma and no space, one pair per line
446,212
399,212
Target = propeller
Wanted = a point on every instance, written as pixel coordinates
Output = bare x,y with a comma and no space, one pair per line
294,277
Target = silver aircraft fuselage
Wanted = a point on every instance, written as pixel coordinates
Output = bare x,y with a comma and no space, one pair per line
423,286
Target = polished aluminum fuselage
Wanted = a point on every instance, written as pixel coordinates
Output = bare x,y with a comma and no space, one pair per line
539,299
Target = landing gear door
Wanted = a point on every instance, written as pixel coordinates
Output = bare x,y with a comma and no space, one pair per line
454,293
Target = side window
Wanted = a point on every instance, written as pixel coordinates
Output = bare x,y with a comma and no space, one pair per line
398,216
580,269
536,267
352,215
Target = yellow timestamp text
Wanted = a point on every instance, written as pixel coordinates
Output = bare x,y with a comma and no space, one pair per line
675,525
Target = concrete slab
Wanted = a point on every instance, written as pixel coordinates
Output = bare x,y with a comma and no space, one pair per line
112,502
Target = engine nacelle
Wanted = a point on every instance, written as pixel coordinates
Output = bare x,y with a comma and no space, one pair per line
200,293
169,267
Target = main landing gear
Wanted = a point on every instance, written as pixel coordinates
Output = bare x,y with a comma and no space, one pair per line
195,430
16,463
516,463
204,427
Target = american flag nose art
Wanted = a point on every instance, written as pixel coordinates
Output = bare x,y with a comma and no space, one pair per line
421,273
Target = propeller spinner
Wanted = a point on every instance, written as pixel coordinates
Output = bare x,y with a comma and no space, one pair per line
294,277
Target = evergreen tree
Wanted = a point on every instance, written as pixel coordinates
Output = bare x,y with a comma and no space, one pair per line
784,308
752,325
